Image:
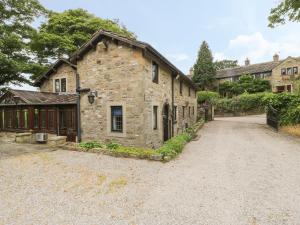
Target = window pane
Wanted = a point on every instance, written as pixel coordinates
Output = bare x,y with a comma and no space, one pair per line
116,118
155,117
51,122
43,118
283,71
290,71
63,83
18,125
25,117
36,118
57,85
154,72
295,70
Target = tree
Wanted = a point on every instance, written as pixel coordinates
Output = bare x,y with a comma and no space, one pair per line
246,83
224,64
204,69
15,33
286,10
63,33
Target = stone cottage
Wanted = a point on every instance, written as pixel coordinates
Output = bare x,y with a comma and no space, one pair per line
282,74
124,90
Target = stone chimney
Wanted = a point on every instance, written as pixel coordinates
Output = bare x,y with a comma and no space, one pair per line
276,57
247,62
191,73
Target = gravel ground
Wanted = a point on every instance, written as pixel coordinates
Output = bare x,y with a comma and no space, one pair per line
239,172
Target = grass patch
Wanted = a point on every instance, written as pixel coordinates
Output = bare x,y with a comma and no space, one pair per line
90,145
117,184
292,129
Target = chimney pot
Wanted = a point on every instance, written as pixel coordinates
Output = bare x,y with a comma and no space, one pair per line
276,57
247,62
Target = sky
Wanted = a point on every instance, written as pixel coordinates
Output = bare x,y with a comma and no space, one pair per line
234,29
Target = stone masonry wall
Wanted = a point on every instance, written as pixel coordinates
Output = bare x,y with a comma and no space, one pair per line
277,79
117,75
64,71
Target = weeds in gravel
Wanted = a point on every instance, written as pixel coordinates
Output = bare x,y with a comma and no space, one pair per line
117,184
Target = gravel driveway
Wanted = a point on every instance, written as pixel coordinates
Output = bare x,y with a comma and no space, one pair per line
239,172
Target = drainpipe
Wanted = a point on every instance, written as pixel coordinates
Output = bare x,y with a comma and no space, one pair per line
78,108
172,104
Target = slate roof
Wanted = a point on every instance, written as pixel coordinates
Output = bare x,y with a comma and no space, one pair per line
251,69
98,36
41,98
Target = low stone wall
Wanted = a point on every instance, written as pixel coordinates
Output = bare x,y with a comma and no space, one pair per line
238,114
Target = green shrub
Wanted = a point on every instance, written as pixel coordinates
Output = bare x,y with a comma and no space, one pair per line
175,145
287,105
242,103
207,96
246,83
90,145
113,145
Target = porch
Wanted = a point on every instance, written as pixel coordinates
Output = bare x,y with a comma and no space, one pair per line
37,112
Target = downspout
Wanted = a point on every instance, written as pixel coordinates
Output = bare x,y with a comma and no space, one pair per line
78,107
172,104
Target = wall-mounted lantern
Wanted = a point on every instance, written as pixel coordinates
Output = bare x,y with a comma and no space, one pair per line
92,96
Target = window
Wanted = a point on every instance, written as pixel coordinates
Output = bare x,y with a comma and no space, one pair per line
63,85
18,121
180,88
25,118
175,113
57,85
283,71
43,118
295,70
116,119
183,109
289,71
51,119
36,118
193,111
195,93
154,72
189,92
155,117
189,110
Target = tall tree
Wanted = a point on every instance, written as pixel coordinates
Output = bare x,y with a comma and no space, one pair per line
224,64
204,69
65,32
286,10
15,33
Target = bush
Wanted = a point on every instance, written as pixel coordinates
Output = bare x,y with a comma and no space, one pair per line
90,145
246,83
288,106
242,103
113,145
207,96
175,145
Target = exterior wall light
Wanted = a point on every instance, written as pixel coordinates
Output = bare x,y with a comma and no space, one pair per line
92,96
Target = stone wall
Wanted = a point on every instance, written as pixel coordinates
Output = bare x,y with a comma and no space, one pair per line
122,76
278,80
64,71
117,75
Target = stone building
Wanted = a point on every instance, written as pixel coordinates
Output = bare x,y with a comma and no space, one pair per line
282,74
126,91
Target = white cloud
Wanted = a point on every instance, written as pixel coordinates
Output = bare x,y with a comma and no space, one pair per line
178,57
258,49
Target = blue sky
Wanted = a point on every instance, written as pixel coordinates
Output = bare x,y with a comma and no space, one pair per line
234,29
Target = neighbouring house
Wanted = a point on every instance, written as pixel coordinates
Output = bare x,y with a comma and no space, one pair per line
111,88
282,74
